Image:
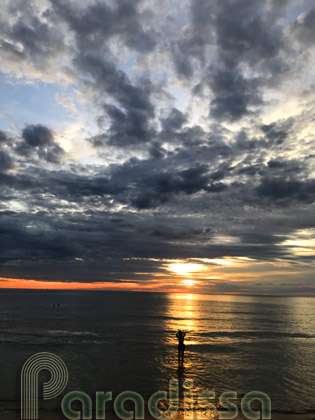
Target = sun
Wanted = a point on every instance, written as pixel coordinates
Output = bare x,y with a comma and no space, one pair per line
184,269
189,282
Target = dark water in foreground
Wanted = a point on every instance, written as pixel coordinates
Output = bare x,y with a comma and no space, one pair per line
126,341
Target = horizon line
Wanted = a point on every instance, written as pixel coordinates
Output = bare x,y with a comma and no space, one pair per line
20,289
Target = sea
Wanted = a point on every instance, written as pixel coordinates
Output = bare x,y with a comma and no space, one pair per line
126,341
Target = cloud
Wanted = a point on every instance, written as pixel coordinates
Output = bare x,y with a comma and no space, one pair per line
40,138
136,108
240,34
30,45
277,132
233,94
182,61
247,32
127,128
283,189
174,121
6,162
4,138
194,141
100,21
303,28
30,244
158,188
130,122
37,135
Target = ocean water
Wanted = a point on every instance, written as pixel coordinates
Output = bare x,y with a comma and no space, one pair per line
117,341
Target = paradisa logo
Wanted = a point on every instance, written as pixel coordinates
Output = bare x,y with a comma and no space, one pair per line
59,379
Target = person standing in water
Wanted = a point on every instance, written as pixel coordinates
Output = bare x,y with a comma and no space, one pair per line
181,346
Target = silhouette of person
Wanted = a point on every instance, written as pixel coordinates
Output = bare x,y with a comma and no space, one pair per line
181,346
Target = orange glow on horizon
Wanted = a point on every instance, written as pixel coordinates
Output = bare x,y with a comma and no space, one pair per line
166,286
12,283
9,283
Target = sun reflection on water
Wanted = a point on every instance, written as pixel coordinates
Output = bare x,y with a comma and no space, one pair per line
184,313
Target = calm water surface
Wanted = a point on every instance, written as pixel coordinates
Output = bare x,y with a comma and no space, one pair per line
126,341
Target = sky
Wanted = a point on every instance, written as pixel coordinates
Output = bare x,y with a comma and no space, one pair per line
155,145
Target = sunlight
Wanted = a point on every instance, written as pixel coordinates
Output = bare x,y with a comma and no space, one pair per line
301,243
185,269
188,282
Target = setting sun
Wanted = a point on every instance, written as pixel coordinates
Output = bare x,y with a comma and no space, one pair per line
188,282
185,269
